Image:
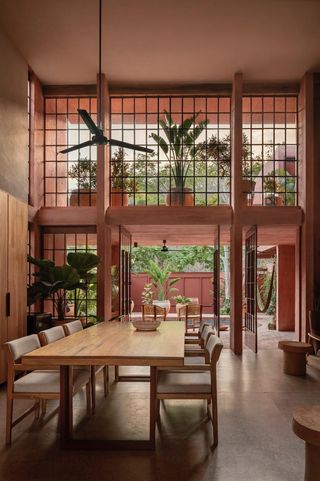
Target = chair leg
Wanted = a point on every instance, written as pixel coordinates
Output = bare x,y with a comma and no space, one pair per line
158,409
93,388
116,373
214,420
88,396
43,406
9,420
106,380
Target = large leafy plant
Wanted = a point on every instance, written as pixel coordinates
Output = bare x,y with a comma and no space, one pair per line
54,282
161,281
179,145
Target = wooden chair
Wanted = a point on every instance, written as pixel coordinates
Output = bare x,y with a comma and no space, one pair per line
76,326
194,382
39,385
193,313
194,350
194,338
153,312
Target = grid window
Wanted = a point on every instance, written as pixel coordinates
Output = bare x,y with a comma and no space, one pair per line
70,179
270,150
193,168
56,247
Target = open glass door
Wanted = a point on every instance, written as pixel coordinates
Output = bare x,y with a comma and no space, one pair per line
251,331
216,280
124,273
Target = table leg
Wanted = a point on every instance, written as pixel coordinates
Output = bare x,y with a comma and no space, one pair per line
153,403
66,411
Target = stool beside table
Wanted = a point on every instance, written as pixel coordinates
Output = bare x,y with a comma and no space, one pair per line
306,425
295,360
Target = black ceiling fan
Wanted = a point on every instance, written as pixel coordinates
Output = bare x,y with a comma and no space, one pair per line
165,248
98,138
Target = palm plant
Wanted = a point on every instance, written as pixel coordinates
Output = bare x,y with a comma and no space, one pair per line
179,145
160,280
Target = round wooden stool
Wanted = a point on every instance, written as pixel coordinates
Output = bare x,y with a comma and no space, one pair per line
295,357
306,425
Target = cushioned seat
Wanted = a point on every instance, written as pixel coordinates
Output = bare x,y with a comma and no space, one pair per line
48,381
194,360
184,382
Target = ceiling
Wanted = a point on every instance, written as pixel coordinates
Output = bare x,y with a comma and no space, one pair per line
149,42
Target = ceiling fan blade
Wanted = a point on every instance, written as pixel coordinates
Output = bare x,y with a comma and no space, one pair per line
89,122
119,143
77,147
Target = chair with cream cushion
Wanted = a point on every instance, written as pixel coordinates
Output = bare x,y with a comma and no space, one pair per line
76,326
39,385
194,382
199,349
153,312
191,314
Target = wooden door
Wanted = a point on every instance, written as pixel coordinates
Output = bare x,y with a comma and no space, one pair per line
3,280
17,267
251,325
216,281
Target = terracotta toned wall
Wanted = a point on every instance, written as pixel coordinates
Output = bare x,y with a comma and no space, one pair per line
286,288
13,120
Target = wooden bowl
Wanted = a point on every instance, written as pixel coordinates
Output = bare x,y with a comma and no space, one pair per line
146,325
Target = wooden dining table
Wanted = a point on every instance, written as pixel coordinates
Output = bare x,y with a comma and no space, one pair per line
116,344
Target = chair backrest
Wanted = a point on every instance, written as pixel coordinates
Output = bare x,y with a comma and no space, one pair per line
214,347
153,311
72,327
205,332
51,335
20,347
190,310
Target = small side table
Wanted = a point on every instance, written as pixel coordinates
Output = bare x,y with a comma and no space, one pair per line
306,425
295,357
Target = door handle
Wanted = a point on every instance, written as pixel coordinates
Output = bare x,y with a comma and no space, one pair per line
8,304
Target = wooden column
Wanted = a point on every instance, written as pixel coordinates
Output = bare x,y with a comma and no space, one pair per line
307,177
285,288
103,231
236,228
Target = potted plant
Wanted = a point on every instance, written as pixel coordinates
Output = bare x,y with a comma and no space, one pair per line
147,294
161,281
270,186
54,282
180,148
121,184
85,173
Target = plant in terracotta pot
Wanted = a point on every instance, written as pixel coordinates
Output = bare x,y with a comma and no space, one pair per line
121,183
55,282
271,186
180,148
147,294
84,172
161,281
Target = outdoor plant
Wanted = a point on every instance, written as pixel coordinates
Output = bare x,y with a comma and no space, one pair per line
114,286
120,173
182,299
85,173
147,294
179,145
54,282
161,280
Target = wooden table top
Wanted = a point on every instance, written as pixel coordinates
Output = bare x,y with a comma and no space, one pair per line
115,343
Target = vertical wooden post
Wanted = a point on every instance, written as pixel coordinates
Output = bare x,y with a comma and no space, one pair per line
306,196
236,229
103,231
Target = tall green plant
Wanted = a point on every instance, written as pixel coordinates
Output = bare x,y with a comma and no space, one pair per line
54,282
179,145
160,280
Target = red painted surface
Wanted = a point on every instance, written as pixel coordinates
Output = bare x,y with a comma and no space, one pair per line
191,284
285,288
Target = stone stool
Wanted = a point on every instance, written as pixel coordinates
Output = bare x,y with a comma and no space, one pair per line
306,425
295,357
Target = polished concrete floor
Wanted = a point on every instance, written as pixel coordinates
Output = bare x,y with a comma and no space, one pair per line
256,401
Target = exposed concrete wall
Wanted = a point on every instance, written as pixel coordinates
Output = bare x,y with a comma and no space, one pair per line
13,120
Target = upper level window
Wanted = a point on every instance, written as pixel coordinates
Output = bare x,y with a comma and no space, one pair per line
190,137
270,154
70,179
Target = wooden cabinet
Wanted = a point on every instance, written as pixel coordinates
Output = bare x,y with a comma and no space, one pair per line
13,272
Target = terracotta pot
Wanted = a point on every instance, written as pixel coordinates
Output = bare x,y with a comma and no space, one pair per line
119,199
83,198
273,199
178,197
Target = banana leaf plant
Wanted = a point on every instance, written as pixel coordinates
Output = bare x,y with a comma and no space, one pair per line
161,280
179,145
54,282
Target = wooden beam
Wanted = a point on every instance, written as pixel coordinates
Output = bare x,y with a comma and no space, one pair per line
271,88
67,216
70,90
163,215
262,215
236,229
182,89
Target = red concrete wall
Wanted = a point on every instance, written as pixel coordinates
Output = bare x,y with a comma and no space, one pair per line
286,288
191,284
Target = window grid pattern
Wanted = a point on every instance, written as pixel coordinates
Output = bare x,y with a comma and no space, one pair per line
148,179
56,248
270,150
70,179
